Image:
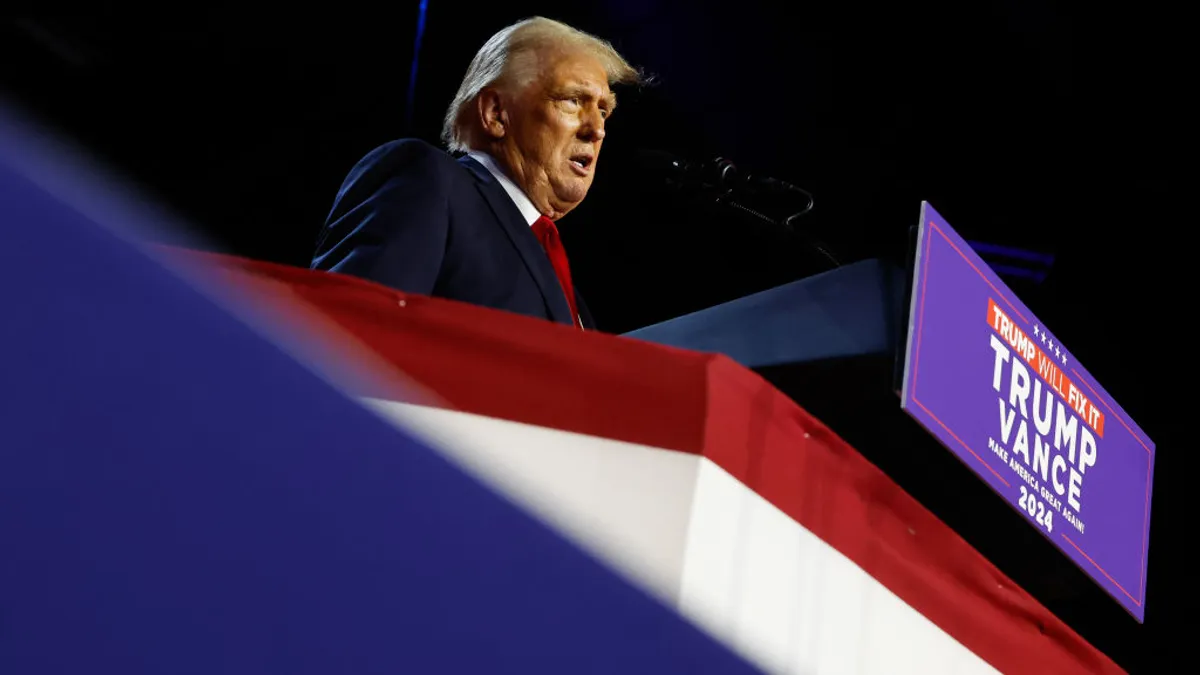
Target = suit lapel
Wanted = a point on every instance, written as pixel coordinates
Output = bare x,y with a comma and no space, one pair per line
531,252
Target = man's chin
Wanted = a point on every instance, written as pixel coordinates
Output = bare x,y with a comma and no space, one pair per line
567,199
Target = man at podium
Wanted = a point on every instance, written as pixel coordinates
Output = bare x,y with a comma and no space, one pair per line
528,122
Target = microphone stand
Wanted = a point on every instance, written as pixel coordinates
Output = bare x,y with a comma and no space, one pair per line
729,199
722,178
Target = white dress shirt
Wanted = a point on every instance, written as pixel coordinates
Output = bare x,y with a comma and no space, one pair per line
528,210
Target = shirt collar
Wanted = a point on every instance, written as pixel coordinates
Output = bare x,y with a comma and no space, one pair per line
524,205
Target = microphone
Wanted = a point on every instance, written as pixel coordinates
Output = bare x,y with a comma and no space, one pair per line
717,174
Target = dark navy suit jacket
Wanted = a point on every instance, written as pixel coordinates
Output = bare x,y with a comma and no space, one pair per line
412,217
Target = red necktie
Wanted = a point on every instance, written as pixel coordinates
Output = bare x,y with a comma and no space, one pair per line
547,233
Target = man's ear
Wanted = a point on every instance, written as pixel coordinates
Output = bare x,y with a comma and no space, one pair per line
493,118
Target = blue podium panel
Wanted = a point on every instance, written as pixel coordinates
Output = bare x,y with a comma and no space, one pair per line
179,496
850,311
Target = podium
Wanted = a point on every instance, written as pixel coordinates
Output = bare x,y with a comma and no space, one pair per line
694,477
256,468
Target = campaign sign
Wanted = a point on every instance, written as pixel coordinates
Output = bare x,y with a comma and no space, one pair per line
996,387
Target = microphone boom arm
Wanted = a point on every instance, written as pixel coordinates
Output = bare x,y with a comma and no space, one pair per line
727,198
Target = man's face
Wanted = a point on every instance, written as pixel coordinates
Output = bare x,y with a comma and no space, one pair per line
554,130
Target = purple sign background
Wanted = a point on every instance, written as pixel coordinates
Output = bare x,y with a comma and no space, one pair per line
981,372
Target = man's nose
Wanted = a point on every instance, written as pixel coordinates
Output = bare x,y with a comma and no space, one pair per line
592,128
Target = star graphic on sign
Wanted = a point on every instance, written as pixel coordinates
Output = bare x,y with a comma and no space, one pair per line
1052,344
1035,329
1043,337
1058,352
1064,359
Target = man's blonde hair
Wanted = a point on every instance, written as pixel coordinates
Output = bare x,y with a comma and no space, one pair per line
505,60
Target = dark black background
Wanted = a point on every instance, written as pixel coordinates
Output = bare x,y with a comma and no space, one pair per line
1026,123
